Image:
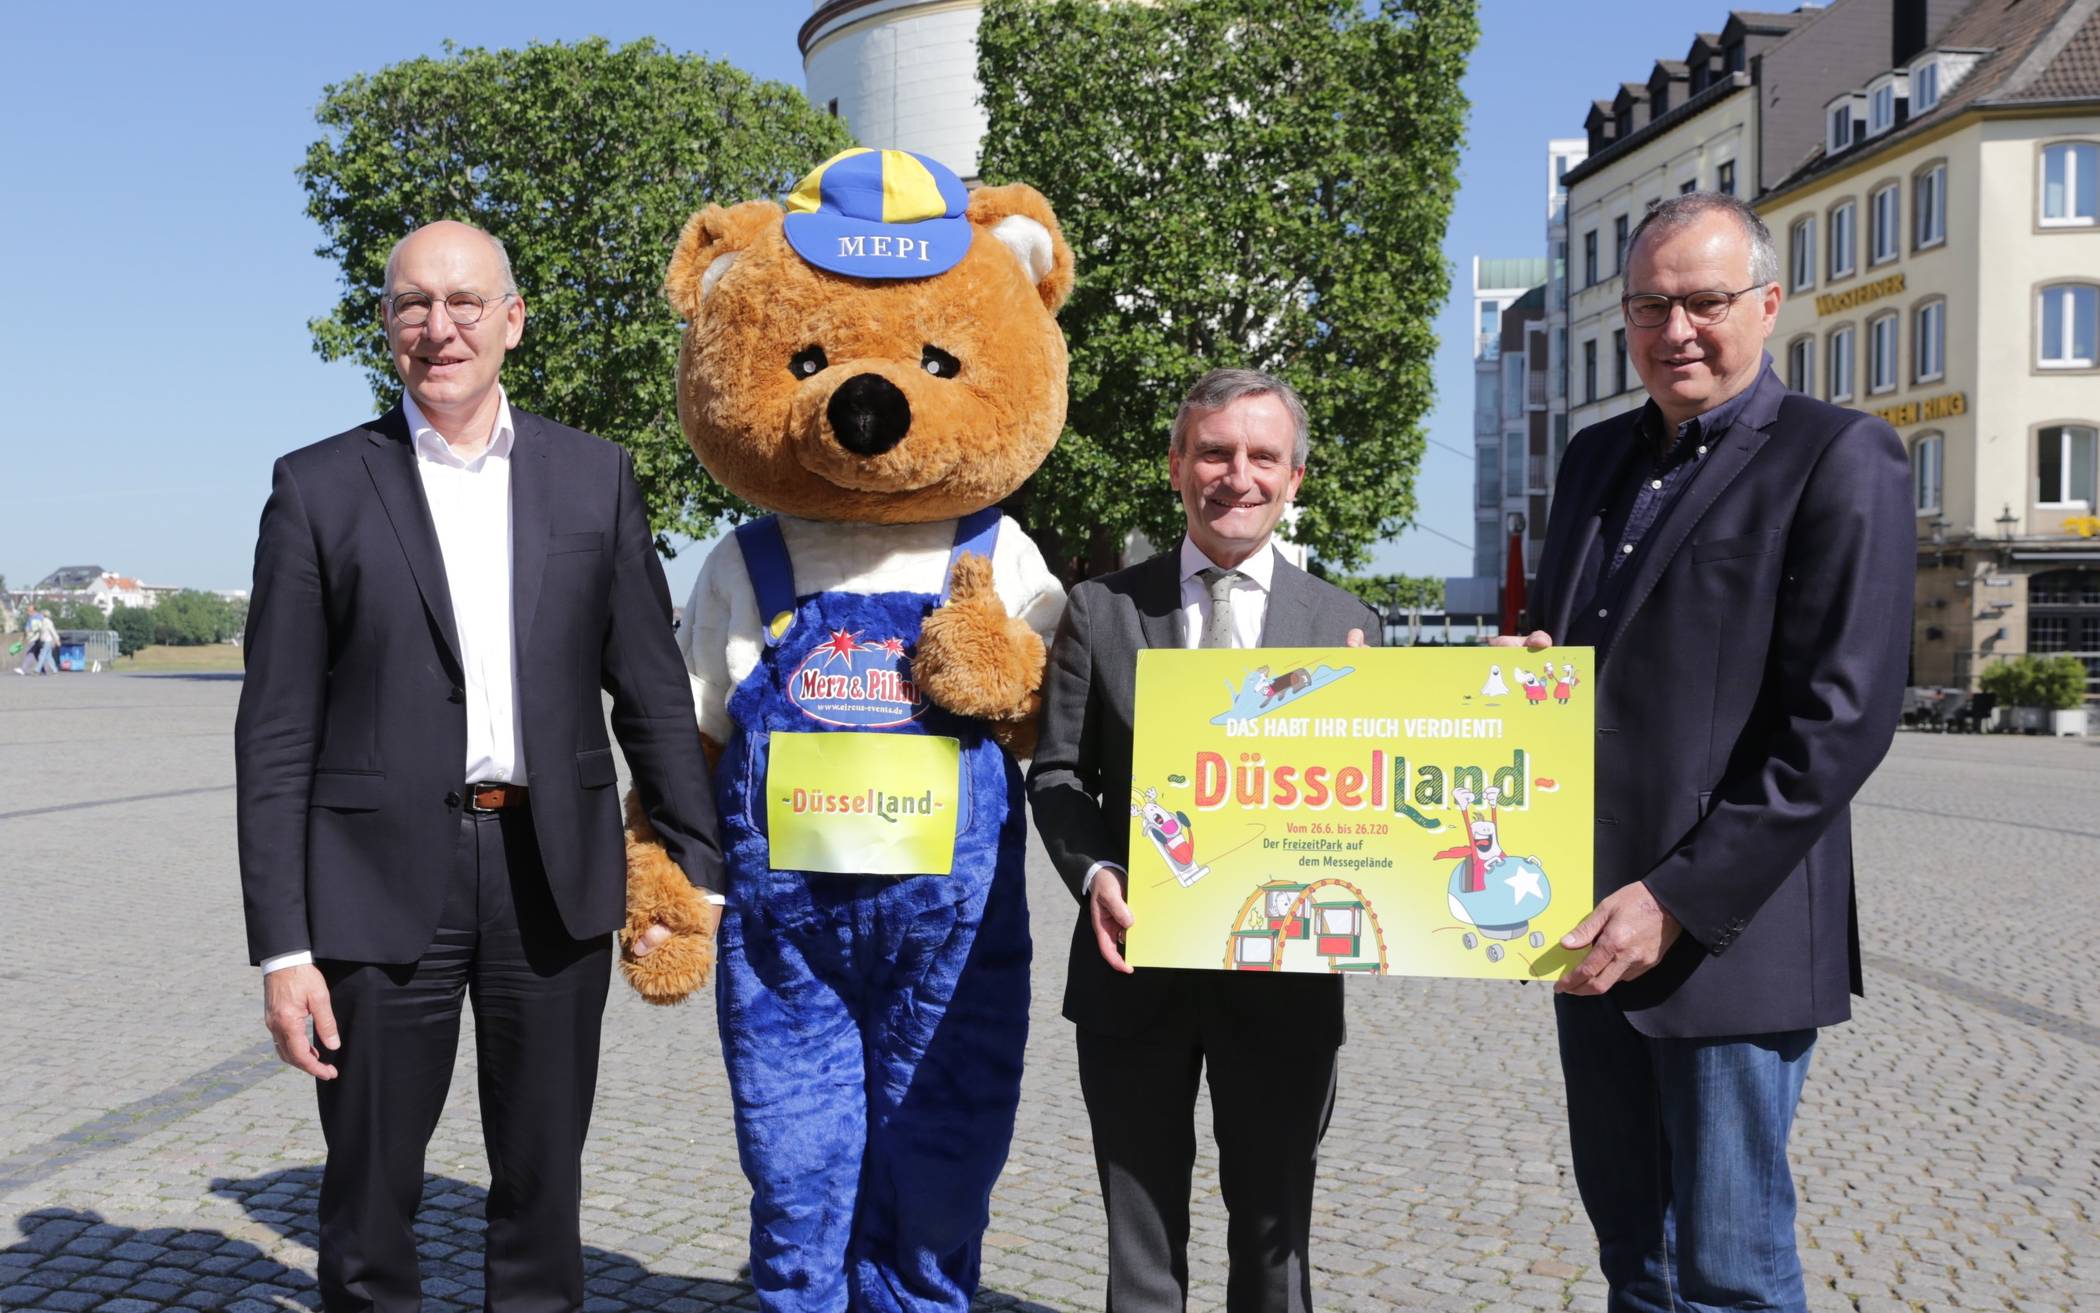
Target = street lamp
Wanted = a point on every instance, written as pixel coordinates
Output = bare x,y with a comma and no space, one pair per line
2006,521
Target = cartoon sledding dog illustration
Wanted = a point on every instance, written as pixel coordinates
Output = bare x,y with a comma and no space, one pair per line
1283,685
1493,893
1172,836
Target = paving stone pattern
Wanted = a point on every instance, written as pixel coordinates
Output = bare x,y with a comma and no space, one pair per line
153,1154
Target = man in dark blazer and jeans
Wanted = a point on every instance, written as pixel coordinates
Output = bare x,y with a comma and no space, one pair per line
1269,1043
425,787
1741,558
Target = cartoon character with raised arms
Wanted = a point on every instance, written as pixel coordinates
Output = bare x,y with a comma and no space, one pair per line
1171,834
1567,683
1493,893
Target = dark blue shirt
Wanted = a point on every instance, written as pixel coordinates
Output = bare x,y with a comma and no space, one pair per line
1652,479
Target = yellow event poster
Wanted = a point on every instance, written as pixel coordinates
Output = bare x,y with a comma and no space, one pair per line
825,811
1383,811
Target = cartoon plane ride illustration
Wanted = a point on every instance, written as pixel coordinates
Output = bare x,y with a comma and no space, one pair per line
1172,835
1491,892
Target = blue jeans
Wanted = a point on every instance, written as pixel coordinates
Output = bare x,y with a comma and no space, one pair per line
1680,1155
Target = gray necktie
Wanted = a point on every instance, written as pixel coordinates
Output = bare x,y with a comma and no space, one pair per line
1218,632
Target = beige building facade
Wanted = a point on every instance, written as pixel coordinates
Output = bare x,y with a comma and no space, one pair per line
1942,269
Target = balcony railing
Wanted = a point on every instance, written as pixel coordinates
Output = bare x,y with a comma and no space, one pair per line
1488,346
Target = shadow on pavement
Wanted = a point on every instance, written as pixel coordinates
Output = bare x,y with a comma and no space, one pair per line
74,1259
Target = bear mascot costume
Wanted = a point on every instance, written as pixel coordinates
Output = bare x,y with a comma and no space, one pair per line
878,365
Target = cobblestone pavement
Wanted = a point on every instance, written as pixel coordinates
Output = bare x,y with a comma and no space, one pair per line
152,1154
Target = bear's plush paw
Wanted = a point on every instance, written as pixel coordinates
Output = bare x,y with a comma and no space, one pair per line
974,658
658,893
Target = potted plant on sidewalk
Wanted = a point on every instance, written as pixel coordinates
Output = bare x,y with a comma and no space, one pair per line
2040,694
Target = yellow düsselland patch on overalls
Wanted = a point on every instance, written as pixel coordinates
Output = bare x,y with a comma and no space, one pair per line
863,804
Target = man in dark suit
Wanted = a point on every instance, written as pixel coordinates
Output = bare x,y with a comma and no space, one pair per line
425,787
1237,456
1741,558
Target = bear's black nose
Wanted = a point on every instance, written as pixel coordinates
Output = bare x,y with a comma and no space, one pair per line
869,415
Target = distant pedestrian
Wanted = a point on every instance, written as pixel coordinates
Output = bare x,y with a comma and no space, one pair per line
29,647
45,643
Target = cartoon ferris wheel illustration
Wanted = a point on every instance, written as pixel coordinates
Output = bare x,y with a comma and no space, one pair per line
1328,917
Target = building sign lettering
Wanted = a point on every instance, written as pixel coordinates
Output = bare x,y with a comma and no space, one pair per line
1831,303
1920,412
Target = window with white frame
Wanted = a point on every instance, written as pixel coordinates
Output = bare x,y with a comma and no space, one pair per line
1924,87
1724,177
1801,365
1928,208
2071,184
1839,132
1881,110
2070,321
1881,354
1929,342
2064,465
1618,353
1843,224
1885,224
1801,241
1840,371
1512,464
1925,465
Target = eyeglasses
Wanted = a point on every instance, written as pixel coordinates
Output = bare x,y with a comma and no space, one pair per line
1652,309
412,309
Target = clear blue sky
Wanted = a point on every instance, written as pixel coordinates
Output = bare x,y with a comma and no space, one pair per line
148,152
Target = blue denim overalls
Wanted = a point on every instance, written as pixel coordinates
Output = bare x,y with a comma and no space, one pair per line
872,1027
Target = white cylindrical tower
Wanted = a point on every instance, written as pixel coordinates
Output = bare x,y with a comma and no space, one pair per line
902,73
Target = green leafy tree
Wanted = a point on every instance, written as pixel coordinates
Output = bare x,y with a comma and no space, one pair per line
192,618
134,626
2055,683
78,614
1395,595
585,160
1260,183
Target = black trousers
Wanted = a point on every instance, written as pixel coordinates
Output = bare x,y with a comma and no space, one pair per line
1270,1105
539,999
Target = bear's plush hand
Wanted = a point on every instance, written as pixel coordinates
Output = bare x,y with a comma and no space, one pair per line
976,660
658,894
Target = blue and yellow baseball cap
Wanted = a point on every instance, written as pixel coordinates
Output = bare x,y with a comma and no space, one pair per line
880,214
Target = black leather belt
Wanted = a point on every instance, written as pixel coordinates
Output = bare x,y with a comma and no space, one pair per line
495,797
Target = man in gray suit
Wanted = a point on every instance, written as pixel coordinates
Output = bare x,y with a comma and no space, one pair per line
1145,1038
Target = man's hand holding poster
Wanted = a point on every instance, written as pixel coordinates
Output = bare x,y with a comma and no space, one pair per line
1379,811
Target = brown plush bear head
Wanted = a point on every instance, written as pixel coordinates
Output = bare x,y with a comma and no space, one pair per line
891,400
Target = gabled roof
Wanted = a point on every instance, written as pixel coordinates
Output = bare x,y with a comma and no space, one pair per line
2064,64
1762,22
2042,52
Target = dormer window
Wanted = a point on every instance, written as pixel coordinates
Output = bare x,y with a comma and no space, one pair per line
1844,122
1885,100
1924,86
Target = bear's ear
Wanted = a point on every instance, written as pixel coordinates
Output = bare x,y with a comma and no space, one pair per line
1020,218
712,240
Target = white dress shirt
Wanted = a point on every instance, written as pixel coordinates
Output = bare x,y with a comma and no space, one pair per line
1250,607
470,507
1250,595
